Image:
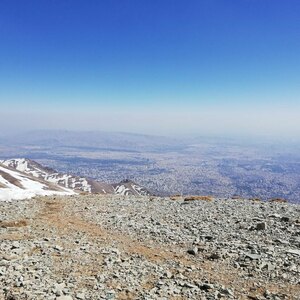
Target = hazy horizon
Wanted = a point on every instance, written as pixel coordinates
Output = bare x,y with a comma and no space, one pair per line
241,139
218,68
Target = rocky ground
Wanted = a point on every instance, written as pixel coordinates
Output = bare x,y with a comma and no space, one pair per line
116,247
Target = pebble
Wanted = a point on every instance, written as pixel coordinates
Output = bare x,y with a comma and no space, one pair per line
261,226
64,298
193,251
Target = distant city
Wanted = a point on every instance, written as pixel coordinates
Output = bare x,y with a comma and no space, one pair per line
168,166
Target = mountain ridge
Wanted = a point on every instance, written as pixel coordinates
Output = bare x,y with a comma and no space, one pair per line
76,183
17,185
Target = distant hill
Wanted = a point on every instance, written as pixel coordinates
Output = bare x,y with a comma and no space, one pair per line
121,141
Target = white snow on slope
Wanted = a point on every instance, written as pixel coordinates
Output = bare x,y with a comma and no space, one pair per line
121,190
20,186
37,170
125,187
140,190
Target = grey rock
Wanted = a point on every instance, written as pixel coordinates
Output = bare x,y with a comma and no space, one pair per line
80,296
190,285
193,251
58,248
64,298
15,245
285,219
261,226
294,251
206,287
214,256
168,274
226,291
253,256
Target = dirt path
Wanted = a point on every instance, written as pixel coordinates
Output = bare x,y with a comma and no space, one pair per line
56,215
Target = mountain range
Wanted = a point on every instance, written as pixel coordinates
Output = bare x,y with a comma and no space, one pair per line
22,178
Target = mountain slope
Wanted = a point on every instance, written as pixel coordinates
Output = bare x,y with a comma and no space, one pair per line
128,187
73,182
220,246
15,185
35,169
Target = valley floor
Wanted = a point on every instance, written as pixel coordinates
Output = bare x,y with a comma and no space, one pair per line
116,247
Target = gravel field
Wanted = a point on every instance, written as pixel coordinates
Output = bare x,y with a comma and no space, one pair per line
124,247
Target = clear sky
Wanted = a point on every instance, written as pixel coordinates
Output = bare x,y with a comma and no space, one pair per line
159,66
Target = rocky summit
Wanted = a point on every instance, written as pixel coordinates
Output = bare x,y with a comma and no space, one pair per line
142,247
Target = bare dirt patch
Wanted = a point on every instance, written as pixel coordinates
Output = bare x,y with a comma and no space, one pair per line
16,223
198,198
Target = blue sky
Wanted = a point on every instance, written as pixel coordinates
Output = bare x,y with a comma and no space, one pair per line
143,65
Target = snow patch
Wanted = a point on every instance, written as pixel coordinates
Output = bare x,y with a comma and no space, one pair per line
25,187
